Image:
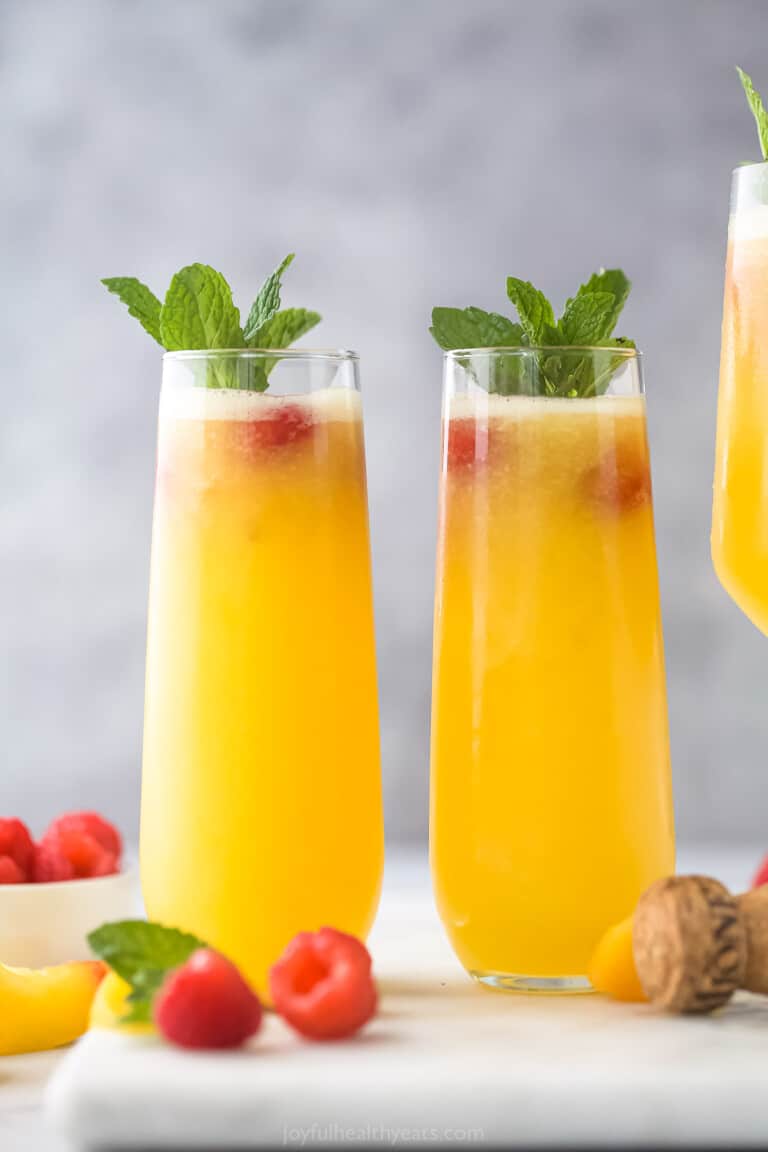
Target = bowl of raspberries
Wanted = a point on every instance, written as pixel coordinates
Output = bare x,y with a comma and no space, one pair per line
57,889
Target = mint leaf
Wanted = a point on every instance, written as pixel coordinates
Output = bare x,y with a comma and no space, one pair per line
132,946
473,328
267,302
146,984
143,954
587,318
140,301
607,366
280,332
198,311
758,110
611,280
285,327
455,328
256,375
533,308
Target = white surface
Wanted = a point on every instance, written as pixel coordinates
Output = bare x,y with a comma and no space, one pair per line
43,924
443,1059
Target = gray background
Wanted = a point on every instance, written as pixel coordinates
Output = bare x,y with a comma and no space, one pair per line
412,153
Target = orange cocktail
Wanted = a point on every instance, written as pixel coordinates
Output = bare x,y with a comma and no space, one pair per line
551,799
261,802
740,509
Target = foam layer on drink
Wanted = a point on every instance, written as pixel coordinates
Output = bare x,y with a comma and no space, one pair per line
749,223
490,405
233,404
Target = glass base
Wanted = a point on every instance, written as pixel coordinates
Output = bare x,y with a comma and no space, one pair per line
549,985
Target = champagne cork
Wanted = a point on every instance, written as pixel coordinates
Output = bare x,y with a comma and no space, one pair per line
691,938
753,910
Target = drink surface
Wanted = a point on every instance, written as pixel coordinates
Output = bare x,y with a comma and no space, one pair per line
740,506
261,805
551,803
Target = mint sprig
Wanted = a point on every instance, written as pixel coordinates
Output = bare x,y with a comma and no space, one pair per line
473,328
757,108
143,954
267,302
198,312
533,308
140,301
588,320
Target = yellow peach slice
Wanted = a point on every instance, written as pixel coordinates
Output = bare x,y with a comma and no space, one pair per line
612,968
45,1007
110,1005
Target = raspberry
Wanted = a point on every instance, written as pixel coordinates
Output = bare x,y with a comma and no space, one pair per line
621,481
93,825
16,843
10,873
104,865
206,1003
51,864
761,876
322,984
85,853
467,442
283,425
71,854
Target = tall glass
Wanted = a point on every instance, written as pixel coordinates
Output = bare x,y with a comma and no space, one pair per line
551,804
740,508
261,800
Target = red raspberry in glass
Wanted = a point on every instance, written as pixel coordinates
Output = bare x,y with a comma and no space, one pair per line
281,425
761,876
621,480
206,1003
17,844
467,442
92,825
322,985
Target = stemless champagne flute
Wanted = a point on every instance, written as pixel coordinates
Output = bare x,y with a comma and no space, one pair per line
261,798
551,804
740,506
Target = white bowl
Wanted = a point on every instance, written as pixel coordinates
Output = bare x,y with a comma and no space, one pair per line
44,924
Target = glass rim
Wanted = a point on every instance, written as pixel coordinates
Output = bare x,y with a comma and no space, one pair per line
745,165
533,349
338,355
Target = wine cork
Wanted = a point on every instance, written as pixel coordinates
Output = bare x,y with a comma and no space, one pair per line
689,943
753,911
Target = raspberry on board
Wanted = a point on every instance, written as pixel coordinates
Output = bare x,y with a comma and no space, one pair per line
206,1003
322,985
761,876
16,842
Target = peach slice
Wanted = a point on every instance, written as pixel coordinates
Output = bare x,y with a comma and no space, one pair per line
45,1007
612,968
110,1005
